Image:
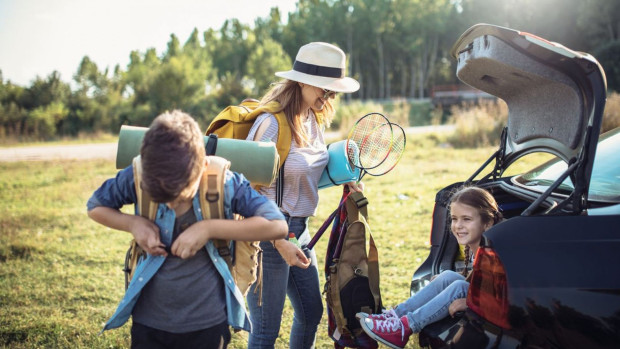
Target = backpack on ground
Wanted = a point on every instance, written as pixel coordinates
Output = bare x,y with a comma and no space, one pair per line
351,272
242,257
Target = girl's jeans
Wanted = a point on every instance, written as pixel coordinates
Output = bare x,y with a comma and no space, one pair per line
431,303
280,280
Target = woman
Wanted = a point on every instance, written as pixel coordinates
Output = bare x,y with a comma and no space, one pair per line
291,269
472,212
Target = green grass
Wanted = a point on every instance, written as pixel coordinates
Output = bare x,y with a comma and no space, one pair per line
60,273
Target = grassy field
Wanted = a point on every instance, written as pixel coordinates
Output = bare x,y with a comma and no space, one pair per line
60,273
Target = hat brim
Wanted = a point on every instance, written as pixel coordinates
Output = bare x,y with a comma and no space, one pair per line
345,85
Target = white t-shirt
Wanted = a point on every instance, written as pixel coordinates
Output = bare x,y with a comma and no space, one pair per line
302,169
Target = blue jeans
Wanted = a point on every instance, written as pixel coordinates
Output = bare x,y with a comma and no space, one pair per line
431,303
280,280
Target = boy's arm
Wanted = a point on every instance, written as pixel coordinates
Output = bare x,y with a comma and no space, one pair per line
104,208
249,229
143,230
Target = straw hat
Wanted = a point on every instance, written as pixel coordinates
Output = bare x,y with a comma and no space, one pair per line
322,65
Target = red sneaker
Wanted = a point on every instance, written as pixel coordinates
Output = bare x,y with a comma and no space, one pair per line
393,332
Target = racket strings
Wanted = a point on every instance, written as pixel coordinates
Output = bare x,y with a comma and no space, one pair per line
397,149
376,147
372,134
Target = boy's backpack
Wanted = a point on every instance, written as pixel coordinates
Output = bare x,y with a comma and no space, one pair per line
351,272
242,257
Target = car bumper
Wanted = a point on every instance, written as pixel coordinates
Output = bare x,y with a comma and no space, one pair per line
468,331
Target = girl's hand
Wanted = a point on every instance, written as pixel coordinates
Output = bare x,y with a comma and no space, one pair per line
292,255
457,305
146,234
355,186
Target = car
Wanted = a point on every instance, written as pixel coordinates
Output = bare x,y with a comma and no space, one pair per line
546,276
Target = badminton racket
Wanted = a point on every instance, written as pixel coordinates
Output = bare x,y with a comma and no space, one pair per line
369,142
399,140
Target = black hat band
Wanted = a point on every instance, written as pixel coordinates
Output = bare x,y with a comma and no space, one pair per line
318,70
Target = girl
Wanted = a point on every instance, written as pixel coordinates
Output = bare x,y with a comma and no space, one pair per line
472,211
291,269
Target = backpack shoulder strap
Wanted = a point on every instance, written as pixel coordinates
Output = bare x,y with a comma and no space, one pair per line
146,207
211,198
357,210
211,189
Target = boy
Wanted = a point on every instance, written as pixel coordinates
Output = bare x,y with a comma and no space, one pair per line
183,294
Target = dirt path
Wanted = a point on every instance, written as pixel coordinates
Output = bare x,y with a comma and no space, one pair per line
59,152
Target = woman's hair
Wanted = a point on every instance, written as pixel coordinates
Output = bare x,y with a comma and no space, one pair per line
482,201
288,94
172,156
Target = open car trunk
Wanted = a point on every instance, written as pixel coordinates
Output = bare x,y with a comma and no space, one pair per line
555,98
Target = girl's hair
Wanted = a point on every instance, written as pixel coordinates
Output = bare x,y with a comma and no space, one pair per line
486,205
288,94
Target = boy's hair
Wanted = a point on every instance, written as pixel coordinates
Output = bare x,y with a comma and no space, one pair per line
481,200
173,156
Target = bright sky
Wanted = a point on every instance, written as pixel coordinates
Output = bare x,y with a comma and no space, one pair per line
40,36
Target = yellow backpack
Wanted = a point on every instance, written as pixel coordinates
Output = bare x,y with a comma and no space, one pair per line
235,121
242,257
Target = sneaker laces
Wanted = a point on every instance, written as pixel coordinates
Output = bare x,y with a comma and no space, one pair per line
391,324
390,313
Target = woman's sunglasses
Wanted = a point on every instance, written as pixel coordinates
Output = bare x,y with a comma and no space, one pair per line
328,94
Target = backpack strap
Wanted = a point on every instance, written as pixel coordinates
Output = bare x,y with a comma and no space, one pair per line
211,198
357,205
146,207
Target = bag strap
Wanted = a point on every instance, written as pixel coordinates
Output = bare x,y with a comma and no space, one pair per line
328,221
357,204
211,198
147,208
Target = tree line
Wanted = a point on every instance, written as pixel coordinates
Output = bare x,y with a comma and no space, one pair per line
395,48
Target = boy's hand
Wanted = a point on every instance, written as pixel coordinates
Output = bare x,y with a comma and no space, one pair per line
191,240
146,234
292,255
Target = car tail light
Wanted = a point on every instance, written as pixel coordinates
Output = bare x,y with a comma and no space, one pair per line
488,289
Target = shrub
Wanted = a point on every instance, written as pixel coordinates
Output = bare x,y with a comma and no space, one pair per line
478,125
348,113
611,115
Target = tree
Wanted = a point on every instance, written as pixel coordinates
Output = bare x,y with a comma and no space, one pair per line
42,122
607,55
265,59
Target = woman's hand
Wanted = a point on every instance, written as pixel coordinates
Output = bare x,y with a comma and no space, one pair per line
457,305
355,186
292,255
